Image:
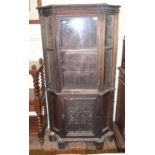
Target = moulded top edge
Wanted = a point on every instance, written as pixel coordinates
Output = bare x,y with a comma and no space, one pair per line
78,5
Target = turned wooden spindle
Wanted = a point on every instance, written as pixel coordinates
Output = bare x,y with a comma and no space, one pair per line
36,89
42,76
43,89
40,128
35,76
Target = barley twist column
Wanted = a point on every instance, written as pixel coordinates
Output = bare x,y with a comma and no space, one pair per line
38,103
43,90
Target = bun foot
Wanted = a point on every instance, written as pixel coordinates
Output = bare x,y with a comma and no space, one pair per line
62,145
99,146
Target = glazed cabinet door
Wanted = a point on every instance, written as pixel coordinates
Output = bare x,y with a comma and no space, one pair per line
77,46
85,46
79,51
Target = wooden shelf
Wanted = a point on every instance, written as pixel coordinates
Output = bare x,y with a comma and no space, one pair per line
79,50
108,48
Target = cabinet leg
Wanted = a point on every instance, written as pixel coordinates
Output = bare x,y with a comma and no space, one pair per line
62,145
52,138
110,138
99,146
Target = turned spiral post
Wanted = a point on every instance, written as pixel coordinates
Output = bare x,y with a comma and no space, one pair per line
42,76
37,102
43,88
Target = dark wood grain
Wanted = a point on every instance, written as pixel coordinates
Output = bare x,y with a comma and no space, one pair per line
119,124
72,147
80,50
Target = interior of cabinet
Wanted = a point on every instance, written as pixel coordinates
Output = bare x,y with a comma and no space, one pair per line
78,51
78,47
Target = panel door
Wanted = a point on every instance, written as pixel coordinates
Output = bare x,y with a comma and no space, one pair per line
80,115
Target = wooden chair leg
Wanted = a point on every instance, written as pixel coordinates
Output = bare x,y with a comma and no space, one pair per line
38,108
43,91
40,128
42,77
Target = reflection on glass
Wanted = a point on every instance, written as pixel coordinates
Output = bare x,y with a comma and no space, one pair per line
78,33
77,25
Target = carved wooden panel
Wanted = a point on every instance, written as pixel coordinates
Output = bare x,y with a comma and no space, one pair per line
80,115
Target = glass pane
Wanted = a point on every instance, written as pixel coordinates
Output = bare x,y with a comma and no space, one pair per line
107,69
79,70
51,72
79,61
78,33
109,30
47,32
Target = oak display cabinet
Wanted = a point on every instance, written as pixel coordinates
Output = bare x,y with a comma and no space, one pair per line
80,49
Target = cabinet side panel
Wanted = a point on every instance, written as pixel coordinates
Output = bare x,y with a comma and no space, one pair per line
54,111
109,51
115,45
51,70
109,99
101,46
46,30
